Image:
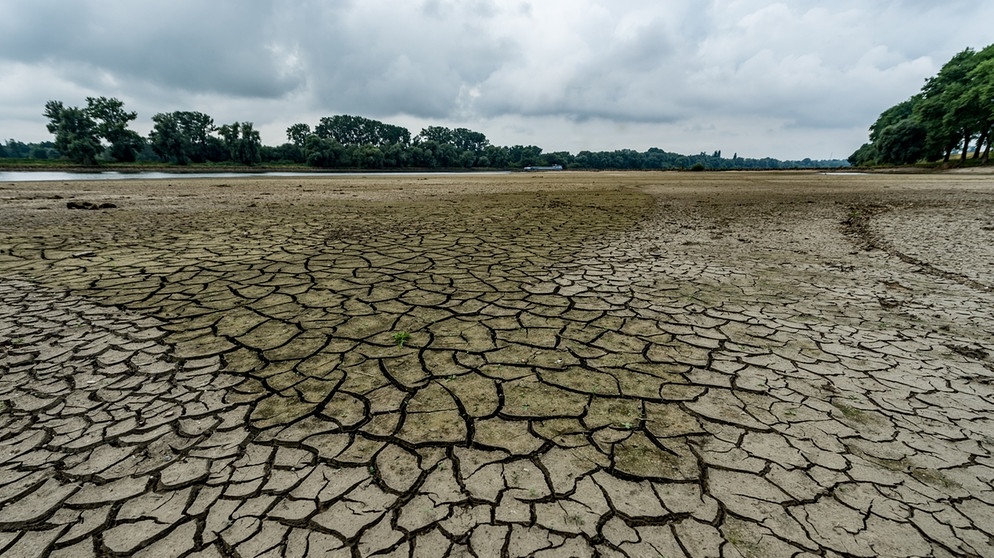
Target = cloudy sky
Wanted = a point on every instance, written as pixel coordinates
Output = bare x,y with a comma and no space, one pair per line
759,78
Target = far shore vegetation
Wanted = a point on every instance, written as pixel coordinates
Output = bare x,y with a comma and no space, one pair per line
97,137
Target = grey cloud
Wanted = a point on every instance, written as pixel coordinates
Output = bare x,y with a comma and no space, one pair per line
217,47
617,65
411,60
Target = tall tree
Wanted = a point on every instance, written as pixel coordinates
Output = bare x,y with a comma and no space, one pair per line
955,109
943,109
76,135
242,141
437,134
468,140
167,138
112,125
298,133
982,81
185,137
893,115
902,143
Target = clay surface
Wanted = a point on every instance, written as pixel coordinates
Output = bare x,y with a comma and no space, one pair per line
561,364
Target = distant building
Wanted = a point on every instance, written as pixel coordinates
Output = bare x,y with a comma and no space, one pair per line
553,167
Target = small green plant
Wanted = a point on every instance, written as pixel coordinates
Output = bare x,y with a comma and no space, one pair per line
401,337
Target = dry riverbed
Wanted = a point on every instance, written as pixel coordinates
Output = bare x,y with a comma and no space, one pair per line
561,364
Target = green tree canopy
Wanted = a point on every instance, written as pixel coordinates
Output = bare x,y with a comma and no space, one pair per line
324,152
453,147
902,143
298,133
242,141
76,135
184,137
354,142
112,125
955,109
356,131
78,130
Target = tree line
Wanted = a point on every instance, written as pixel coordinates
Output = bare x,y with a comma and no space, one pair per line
954,111
100,131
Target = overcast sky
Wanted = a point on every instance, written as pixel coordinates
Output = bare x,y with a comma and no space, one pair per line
759,78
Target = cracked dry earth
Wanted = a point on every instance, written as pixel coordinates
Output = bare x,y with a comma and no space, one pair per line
640,365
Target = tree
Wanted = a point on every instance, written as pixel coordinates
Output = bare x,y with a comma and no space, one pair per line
902,143
396,156
466,159
242,142
197,128
865,156
297,133
955,108
468,140
437,134
558,158
358,131
112,125
324,152
76,135
945,109
521,156
982,80
16,149
422,156
459,147
896,138
286,153
185,137
367,157
167,139
893,115
496,156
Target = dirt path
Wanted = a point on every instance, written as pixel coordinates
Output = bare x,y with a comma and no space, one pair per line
566,364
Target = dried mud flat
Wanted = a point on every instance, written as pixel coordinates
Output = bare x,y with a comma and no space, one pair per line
568,364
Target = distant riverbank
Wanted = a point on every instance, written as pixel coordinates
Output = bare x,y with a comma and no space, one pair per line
62,176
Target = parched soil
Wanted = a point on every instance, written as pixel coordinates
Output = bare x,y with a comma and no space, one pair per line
560,364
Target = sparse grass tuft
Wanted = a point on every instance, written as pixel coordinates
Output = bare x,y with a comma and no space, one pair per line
401,337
